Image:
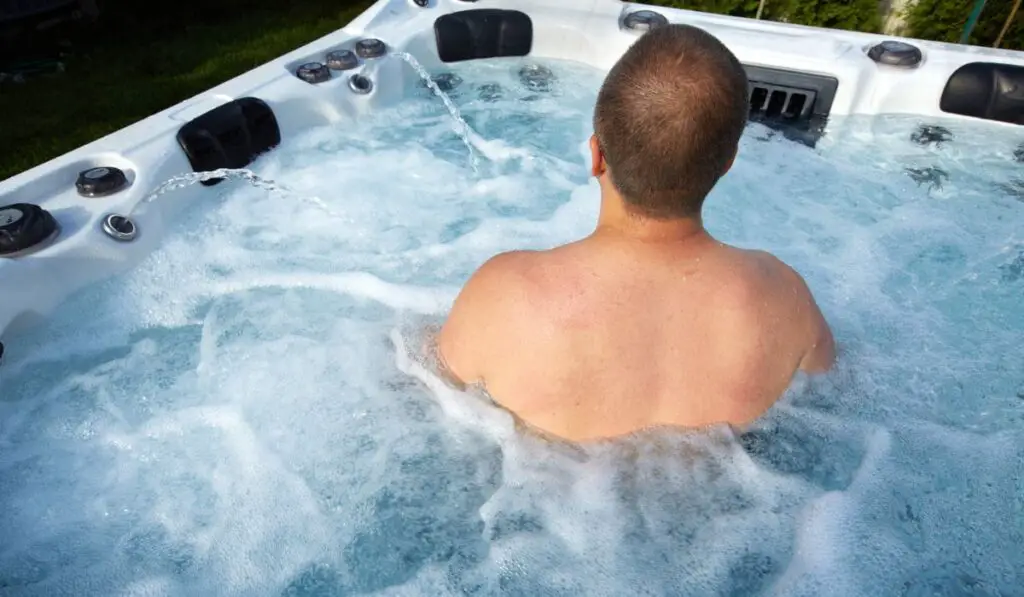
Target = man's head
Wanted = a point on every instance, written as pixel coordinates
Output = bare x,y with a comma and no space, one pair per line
668,120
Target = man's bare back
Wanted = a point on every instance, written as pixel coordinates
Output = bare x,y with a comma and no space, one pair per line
582,342
647,322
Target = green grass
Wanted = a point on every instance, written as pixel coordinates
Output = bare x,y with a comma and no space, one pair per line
126,67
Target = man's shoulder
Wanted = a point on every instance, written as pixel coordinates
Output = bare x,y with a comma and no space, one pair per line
787,298
769,274
502,282
489,308
505,277
509,263
754,287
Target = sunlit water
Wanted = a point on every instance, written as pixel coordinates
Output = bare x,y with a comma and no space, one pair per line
247,412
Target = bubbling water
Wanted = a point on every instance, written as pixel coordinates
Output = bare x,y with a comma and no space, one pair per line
252,410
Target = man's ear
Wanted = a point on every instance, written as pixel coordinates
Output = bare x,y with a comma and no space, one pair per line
597,164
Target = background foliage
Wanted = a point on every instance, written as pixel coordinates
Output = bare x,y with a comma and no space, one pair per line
940,20
855,15
944,20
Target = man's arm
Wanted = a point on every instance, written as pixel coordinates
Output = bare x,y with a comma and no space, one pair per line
812,331
477,321
822,354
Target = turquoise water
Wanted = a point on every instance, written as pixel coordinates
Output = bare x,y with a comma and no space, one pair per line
247,412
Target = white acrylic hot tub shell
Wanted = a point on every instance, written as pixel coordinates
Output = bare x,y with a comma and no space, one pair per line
584,30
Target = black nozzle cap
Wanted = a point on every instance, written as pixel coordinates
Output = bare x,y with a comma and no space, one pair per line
895,53
24,226
342,60
313,72
370,48
644,20
100,181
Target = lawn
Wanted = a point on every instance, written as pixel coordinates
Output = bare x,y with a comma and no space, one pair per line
145,57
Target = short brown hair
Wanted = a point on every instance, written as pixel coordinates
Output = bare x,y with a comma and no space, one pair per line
669,118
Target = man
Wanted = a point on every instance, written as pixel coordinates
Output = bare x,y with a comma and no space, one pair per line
649,321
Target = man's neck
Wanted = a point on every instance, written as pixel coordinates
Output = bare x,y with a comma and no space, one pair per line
617,220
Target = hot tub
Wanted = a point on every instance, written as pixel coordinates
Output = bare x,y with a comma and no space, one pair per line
212,320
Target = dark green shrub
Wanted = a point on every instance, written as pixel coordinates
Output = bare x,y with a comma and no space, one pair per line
940,20
852,15
735,8
944,20
856,15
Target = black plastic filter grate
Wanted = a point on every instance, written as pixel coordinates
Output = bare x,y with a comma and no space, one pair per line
793,102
